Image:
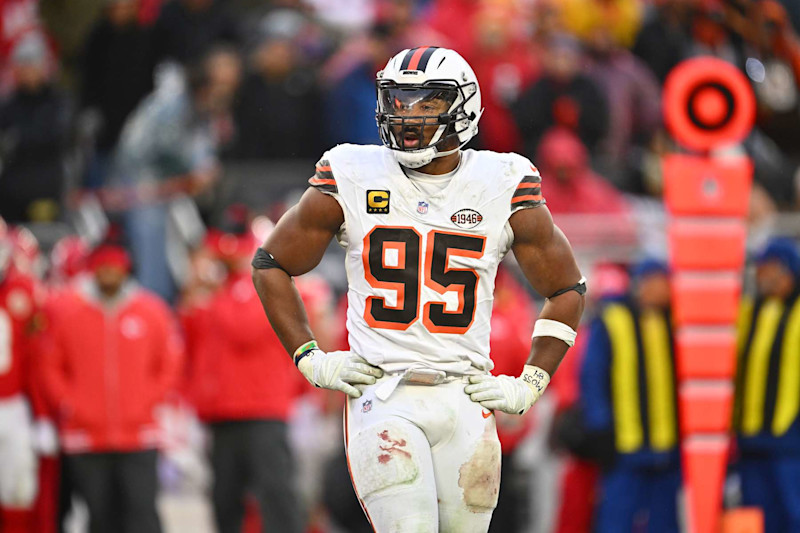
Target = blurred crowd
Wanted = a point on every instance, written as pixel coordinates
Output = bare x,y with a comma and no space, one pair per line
87,89
120,122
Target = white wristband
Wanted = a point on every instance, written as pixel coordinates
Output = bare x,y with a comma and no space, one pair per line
535,378
553,328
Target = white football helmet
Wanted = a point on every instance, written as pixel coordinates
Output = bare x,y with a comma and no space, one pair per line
418,76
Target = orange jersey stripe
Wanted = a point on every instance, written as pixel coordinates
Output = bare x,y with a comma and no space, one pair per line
324,169
534,169
319,181
528,185
414,63
525,198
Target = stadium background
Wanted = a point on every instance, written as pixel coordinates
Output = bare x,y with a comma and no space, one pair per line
575,85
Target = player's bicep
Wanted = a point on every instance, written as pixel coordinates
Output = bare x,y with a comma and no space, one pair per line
303,233
543,251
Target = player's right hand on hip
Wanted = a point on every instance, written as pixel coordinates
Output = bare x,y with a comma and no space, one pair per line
338,371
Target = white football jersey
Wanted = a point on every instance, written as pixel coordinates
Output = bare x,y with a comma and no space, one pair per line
421,268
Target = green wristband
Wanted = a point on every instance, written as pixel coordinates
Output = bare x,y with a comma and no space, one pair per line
304,350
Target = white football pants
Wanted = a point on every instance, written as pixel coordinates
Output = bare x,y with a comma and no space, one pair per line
427,459
18,463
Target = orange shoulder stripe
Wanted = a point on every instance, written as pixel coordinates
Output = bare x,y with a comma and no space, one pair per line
534,197
320,181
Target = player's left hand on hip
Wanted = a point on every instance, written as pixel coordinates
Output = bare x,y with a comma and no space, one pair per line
506,393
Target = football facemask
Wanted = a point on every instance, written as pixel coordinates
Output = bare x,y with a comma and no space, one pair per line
416,117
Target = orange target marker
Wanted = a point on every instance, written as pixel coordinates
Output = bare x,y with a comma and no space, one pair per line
708,103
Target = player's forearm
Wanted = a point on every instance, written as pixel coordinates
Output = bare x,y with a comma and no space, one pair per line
547,352
283,306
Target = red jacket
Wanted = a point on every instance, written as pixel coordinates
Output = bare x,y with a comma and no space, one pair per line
513,315
18,305
238,367
107,367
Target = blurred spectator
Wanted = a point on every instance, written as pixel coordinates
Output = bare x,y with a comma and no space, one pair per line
243,384
113,354
629,407
454,19
562,96
350,95
400,22
68,259
572,187
169,147
279,110
544,21
663,41
18,464
397,25
767,405
34,127
343,17
17,18
117,73
512,321
622,18
793,9
773,64
711,36
578,487
187,29
634,99
505,64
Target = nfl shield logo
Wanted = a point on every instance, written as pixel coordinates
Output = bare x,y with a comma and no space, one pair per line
366,407
422,207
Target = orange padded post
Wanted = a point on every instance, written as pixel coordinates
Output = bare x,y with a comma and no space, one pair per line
707,244
705,408
700,299
702,186
743,520
703,353
704,461
708,104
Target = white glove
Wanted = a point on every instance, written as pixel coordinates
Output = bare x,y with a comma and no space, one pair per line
506,393
45,437
338,371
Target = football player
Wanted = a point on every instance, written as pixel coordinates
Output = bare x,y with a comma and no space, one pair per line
18,465
424,224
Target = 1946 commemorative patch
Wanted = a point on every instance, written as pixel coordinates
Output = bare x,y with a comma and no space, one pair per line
466,218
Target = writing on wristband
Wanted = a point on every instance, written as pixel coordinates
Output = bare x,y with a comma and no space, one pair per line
536,378
304,350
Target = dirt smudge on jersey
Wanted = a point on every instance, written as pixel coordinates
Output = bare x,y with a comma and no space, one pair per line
479,477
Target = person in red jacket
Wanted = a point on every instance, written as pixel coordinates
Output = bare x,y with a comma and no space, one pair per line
242,385
513,315
18,478
112,354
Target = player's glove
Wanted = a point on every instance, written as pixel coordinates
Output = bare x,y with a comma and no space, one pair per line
506,393
338,371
